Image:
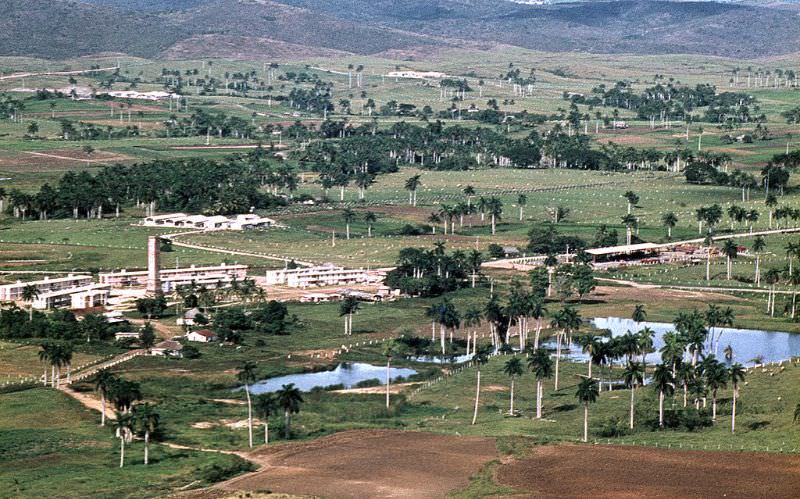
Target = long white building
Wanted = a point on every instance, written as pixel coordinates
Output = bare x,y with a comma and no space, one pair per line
170,279
13,292
323,275
201,222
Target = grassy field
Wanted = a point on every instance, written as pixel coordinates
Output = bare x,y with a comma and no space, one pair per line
49,440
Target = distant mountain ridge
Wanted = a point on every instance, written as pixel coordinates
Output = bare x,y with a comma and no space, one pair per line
260,29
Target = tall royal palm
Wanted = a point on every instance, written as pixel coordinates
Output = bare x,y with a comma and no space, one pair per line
123,429
347,308
392,348
349,216
565,322
265,406
29,295
480,358
247,376
146,420
736,373
411,185
633,377
664,383
103,383
587,393
541,364
289,400
513,369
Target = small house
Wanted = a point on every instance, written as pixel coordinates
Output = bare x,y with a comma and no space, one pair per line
202,336
167,348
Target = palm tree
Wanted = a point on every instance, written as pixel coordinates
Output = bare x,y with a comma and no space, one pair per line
664,382
347,308
123,428
391,348
29,294
480,358
103,383
639,313
513,369
590,345
796,413
469,191
632,199
565,321
265,405
730,250
629,221
522,200
716,377
542,366
146,419
495,211
587,393
434,219
645,343
633,377
758,246
247,376
44,357
669,220
289,399
472,319
411,185
349,217
736,373
370,219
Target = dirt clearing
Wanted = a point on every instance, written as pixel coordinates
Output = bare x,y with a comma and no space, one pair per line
613,471
370,463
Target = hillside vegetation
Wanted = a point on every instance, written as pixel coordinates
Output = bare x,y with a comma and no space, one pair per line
265,28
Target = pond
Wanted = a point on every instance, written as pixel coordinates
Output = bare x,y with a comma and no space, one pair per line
347,374
747,344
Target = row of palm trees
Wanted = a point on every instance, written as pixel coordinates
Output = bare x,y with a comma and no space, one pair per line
56,355
142,420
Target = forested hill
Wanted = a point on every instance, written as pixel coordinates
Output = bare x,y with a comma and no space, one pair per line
264,28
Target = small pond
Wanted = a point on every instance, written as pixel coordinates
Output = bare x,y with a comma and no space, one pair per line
347,374
747,344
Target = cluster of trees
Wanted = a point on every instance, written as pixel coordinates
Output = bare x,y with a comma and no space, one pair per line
421,272
131,419
191,185
10,107
774,176
670,101
61,324
271,318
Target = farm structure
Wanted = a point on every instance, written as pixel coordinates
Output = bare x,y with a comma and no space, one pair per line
323,275
202,222
169,279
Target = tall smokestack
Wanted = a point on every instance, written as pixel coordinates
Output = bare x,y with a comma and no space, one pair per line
154,265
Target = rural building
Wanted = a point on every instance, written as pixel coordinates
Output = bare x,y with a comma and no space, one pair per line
188,317
218,222
202,336
419,75
167,348
210,276
126,335
323,275
13,292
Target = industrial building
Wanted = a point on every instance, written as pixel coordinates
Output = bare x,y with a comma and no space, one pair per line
13,292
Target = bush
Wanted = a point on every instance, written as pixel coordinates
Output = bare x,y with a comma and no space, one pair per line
219,472
368,383
613,427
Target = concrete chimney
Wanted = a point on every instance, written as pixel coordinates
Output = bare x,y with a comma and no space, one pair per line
154,265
